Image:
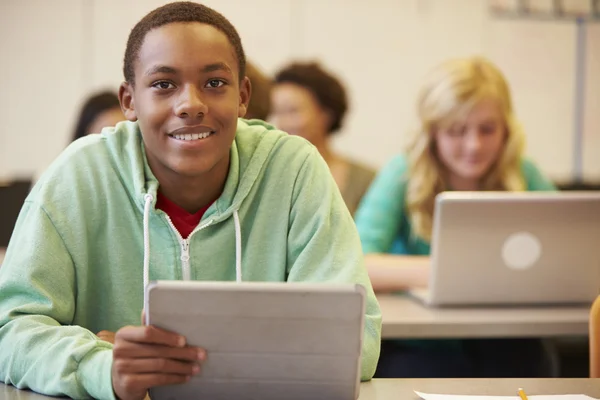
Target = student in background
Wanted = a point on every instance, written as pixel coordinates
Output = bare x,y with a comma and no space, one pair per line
185,189
99,110
468,139
260,101
310,102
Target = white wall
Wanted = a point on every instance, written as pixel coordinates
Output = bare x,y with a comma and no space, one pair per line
56,51
591,153
41,50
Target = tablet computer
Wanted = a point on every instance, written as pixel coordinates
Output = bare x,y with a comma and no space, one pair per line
268,340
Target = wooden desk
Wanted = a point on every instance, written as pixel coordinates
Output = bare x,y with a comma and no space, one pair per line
2,253
395,389
406,318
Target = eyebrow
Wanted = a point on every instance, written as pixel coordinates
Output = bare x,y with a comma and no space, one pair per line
160,69
219,66
491,120
164,69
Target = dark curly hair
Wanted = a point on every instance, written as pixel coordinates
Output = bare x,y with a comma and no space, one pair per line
183,11
327,89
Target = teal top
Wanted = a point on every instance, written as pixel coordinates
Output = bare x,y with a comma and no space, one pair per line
382,219
384,225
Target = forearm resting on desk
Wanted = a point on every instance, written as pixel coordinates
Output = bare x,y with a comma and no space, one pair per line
390,272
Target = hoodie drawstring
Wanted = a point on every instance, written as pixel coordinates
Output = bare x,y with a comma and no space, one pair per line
148,202
238,247
148,198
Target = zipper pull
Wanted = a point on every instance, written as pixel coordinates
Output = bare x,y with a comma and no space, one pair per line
185,250
185,260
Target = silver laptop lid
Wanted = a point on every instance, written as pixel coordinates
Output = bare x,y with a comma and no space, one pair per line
515,248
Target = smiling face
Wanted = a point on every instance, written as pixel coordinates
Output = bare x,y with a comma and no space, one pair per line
187,98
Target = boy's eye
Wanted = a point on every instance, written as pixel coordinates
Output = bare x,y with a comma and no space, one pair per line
215,83
163,85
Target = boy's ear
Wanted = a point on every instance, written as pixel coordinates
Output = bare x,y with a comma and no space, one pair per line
245,93
126,100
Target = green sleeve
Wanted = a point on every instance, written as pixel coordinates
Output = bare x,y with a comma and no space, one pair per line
381,210
323,246
39,349
535,179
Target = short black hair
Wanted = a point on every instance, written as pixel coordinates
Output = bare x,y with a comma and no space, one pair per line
327,89
95,105
183,11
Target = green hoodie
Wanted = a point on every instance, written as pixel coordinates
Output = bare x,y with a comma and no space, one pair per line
75,263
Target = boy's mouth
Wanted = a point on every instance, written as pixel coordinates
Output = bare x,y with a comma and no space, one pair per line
191,136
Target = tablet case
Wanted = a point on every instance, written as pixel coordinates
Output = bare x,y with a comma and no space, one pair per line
264,340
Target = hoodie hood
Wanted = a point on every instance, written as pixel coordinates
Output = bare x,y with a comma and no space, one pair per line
244,168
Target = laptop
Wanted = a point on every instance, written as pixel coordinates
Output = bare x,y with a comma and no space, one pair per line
265,341
507,248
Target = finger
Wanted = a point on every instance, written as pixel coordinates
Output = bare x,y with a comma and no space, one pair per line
107,336
108,339
137,385
155,365
150,335
143,382
164,379
124,349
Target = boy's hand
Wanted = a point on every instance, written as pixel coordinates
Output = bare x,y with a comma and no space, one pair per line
145,356
107,336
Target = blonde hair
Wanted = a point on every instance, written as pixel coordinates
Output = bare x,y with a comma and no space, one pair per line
450,91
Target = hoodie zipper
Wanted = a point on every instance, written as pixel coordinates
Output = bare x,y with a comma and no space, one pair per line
185,247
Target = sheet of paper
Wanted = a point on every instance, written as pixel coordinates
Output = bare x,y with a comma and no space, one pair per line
432,396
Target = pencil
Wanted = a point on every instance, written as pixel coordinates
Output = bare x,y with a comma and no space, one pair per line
522,394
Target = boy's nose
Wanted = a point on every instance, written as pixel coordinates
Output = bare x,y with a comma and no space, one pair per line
190,104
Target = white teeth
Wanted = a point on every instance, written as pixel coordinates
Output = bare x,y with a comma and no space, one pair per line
192,136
